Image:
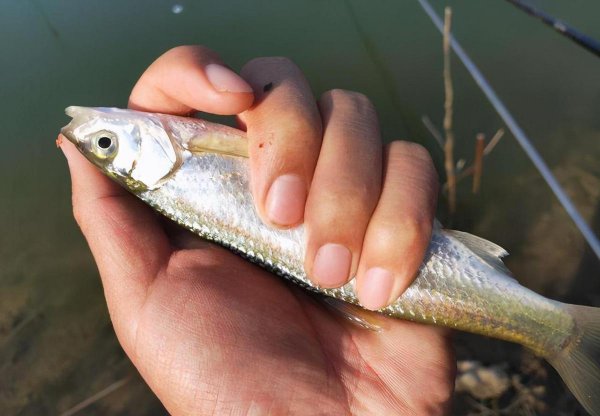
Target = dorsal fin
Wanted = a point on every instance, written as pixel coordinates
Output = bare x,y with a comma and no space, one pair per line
489,252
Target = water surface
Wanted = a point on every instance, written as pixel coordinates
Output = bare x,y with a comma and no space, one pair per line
57,346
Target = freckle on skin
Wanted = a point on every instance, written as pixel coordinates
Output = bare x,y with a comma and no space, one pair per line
261,145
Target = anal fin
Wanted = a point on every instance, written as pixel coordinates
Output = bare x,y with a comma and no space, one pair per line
356,315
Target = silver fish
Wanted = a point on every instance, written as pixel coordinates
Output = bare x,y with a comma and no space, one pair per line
196,173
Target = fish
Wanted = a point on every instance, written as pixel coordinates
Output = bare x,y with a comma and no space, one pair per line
196,173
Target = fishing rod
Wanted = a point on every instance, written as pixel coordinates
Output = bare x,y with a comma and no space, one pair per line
518,133
580,38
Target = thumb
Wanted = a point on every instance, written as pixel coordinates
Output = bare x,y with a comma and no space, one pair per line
190,78
125,237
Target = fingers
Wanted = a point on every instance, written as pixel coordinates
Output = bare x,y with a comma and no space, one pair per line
320,164
190,78
284,133
345,188
400,229
124,236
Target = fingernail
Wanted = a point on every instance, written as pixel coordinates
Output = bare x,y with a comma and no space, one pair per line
225,80
331,267
286,199
376,288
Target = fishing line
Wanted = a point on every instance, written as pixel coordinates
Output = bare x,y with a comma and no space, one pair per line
519,134
580,38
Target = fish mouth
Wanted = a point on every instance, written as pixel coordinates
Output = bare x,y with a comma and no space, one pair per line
69,130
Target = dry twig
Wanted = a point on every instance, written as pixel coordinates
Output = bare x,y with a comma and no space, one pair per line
448,110
95,397
495,139
433,130
468,171
478,164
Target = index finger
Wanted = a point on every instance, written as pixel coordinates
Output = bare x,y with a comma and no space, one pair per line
191,78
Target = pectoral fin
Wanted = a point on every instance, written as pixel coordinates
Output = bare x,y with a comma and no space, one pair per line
221,142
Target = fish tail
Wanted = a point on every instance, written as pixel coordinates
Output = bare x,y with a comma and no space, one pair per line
579,362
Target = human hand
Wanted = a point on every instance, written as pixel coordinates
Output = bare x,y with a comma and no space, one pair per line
211,333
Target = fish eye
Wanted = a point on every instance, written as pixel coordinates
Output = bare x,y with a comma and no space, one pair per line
104,144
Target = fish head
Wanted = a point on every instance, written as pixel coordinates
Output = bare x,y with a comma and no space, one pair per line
132,147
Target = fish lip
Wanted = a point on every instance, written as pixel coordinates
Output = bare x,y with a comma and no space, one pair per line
68,130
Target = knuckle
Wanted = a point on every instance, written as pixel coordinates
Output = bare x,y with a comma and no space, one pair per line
381,240
400,148
349,223
409,161
416,226
293,135
350,101
350,114
408,230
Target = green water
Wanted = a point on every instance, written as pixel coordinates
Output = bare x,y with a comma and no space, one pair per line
56,342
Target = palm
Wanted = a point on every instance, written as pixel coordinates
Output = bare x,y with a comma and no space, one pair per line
213,334
224,334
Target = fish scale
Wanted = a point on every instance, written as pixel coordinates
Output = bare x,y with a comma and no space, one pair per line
196,173
209,194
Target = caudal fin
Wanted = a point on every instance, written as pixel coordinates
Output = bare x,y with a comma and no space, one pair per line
579,363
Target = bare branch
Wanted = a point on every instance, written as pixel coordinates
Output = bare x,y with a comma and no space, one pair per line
433,130
495,139
94,398
478,164
448,110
